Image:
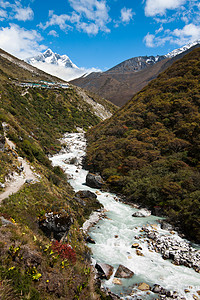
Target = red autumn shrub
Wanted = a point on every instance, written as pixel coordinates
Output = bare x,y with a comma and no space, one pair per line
65,251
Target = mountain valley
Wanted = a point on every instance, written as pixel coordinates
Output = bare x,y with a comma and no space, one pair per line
147,152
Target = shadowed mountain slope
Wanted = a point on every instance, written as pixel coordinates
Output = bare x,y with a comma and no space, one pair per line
150,149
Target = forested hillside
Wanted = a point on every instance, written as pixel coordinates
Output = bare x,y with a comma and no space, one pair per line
150,149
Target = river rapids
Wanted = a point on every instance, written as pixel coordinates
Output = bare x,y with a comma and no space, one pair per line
115,234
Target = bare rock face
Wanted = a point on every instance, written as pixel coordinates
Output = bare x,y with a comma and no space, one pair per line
94,180
123,272
56,225
104,270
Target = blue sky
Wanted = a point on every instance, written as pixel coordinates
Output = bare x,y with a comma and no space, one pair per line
98,33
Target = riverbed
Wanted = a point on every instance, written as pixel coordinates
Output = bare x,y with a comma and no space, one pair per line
115,234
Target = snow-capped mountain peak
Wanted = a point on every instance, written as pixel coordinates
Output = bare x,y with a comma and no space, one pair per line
182,49
52,58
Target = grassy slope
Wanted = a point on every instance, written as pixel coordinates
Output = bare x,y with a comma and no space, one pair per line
29,269
149,150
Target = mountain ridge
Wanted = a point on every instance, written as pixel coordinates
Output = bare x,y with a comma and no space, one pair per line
121,82
52,58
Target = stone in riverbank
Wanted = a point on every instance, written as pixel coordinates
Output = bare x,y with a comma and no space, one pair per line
174,248
143,287
117,281
94,180
90,240
123,272
143,212
104,270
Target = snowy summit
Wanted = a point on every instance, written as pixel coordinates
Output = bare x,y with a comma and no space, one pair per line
52,58
182,49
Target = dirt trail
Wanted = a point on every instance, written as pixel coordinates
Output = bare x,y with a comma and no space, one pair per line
18,181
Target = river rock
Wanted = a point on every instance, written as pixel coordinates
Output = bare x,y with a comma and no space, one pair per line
104,270
94,180
123,272
175,248
111,295
139,253
156,288
135,245
56,225
166,226
143,212
143,287
117,281
90,240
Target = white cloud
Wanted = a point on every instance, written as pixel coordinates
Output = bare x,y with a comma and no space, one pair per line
3,14
95,12
90,16
56,20
23,14
62,72
149,40
189,33
159,7
20,42
16,11
5,4
126,14
90,28
53,33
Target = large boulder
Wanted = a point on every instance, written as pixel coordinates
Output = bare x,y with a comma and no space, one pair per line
56,225
143,212
104,270
123,272
94,180
86,194
81,195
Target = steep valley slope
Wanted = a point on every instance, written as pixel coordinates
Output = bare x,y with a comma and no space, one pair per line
149,149
35,112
